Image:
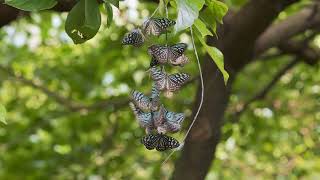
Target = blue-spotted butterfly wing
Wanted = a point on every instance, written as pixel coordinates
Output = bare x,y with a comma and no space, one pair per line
180,48
156,26
154,62
159,77
142,101
159,53
175,81
166,143
144,119
173,121
150,141
135,38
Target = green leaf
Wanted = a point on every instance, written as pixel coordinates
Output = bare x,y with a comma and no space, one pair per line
188,12
216,56
83,21
202,28
31,5
206,17
113,2
108,8
218,8
3,113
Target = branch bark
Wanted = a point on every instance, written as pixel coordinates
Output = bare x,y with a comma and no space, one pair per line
307,18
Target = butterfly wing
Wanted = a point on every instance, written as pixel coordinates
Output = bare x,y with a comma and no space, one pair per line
175,81
159,116
179,48
159,78
150,141
135,38
173,121
144,119
142,101
155,98
160,53
166,142
156,26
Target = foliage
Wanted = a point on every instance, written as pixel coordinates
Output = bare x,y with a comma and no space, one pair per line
45,139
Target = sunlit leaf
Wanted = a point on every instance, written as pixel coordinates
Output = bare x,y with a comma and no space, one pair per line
202,28
218,9
31,5
3,113
188,12
216,56
83,21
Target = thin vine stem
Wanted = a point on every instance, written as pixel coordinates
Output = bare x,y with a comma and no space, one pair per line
201,100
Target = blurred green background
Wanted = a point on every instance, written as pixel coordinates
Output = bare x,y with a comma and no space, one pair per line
90,133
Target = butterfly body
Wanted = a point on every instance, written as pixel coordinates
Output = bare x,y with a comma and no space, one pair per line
171,83
156,26
134,37
160,142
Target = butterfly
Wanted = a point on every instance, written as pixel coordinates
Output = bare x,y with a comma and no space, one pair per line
145,119
160,142
134,37
168,121
147,103
168,54
169,83
180,61
156,26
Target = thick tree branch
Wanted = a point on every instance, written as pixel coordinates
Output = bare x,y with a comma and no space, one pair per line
307,18
236,40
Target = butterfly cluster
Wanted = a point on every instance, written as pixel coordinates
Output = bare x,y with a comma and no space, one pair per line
153,26
150,113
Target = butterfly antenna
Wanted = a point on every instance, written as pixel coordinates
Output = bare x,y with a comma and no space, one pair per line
201,100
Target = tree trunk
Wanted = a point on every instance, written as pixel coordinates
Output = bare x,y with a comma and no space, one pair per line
237,40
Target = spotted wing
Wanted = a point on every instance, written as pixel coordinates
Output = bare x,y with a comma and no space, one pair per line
175,81
135,38
159,53
150,141
154,62
144,119
179,48
156,26
159,78
173,121
142,101
166,143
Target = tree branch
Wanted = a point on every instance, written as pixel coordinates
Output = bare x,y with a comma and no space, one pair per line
70,104
307,18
